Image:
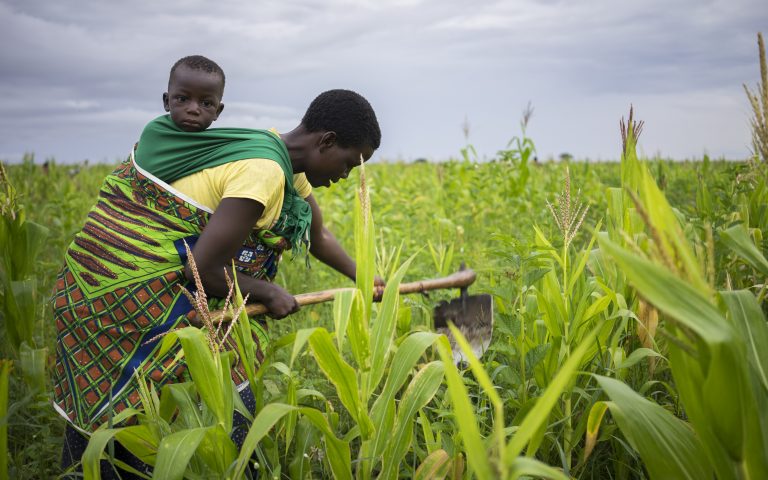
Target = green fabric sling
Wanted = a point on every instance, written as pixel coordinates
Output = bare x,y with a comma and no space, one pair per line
169,153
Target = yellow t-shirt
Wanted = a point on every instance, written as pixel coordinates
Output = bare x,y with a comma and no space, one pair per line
259,179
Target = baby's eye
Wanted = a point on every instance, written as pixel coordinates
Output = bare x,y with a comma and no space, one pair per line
181,98
207,103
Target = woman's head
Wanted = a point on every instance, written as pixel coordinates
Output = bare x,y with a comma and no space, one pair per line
348,114
347,133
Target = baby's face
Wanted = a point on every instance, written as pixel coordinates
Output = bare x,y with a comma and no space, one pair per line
193,98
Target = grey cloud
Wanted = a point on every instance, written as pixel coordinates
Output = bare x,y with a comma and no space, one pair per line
94,66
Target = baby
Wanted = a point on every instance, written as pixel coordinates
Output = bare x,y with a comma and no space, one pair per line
195,89
193,101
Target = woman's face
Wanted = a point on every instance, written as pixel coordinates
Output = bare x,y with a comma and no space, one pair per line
331,162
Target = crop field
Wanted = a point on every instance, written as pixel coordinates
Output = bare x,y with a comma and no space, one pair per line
629,338
630,302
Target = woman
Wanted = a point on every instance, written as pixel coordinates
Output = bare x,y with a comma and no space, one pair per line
245,195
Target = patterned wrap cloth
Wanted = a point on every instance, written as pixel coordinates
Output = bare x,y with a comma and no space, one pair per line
120,289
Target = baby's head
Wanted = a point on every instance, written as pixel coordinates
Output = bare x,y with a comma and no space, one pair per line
195,88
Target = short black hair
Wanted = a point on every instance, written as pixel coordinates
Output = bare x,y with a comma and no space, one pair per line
348,114
199,62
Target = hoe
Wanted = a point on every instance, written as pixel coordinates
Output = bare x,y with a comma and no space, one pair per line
471,314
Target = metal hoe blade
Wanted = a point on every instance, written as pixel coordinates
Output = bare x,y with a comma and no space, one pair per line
473,316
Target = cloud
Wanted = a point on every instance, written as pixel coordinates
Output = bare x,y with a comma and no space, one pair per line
259,115
68,69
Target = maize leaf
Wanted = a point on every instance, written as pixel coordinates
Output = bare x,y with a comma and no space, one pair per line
526,467
175,452
419,392
343,377
487,385
99,439
365,248
32,365
342,309
737,239
435,467
212,377
668,446
5,374
713,385
141,440
217,450
384,326
748,320
593,426
464,415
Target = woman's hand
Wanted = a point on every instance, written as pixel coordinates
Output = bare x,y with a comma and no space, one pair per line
280,303
378,288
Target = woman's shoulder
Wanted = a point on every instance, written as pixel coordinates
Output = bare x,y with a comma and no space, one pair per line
241,174
265,170
260,166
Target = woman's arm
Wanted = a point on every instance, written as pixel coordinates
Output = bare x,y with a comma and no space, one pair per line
221,239
324,245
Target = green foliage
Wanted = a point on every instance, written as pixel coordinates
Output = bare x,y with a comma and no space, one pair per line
668,445
718,377
5,373
621,349
518,155
21,242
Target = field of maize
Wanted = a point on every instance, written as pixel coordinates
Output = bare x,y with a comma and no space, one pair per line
630,337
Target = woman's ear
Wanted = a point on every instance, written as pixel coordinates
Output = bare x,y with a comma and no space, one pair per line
327,140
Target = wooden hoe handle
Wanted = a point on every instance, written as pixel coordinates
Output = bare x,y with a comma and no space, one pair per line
459,279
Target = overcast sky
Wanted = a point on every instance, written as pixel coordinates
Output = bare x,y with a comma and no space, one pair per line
80,78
